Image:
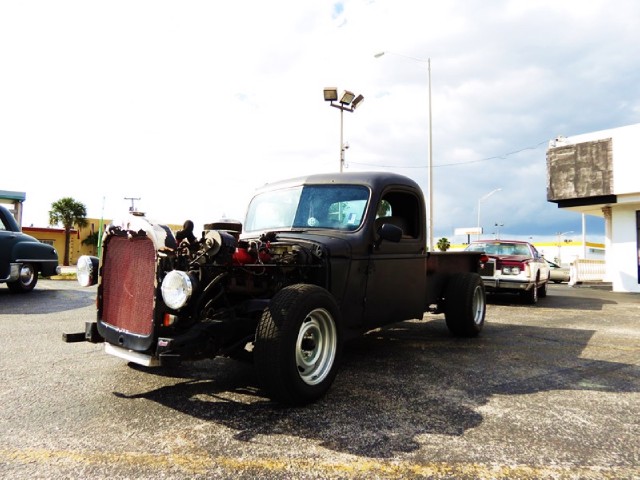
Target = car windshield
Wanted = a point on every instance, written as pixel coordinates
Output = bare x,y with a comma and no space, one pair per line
501,248
308,207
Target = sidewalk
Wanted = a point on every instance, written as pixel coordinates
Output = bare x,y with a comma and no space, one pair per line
66,273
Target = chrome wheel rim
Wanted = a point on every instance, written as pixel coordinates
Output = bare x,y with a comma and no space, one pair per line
316,346
27,274
478,305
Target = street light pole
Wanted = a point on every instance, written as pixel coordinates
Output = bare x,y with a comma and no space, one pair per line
430,150
348,102
430,164
479,201
341,139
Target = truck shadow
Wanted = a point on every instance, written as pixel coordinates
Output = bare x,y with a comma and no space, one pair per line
399,383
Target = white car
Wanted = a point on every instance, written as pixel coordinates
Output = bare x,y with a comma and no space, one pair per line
559,274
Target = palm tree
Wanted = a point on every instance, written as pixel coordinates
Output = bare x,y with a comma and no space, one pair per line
444,244
67,212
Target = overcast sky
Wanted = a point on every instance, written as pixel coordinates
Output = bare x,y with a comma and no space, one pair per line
190,106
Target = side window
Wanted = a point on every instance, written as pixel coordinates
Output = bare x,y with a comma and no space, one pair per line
400,209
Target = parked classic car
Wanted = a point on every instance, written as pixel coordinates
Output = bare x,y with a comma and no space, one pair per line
513,267
558,274
22,257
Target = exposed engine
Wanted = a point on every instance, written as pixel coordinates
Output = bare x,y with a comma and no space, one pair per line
252,267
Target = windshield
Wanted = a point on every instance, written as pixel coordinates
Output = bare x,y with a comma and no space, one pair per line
310,206
501,248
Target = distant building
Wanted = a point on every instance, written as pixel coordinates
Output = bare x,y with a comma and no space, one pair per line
564,252
13,201
55,237
596,174
78,244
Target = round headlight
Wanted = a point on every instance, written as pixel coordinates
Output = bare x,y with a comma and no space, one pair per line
177,288
87,270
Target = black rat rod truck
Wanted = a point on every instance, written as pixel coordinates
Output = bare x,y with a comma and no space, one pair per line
320,259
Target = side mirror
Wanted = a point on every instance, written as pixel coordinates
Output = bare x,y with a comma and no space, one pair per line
388,232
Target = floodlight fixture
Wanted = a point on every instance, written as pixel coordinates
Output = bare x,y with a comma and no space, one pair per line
357,101
347,97
330,94
348,101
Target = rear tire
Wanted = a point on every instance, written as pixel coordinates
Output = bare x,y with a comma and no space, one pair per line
298,344
26,281
465,304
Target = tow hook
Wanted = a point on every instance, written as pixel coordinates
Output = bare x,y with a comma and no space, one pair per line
90,334
164,351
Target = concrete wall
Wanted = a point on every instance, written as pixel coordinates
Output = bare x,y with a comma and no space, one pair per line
580,170
622,256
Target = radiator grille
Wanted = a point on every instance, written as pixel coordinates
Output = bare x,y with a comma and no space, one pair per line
488,269
128,284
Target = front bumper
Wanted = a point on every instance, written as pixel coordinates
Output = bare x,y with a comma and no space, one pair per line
131,356
502,284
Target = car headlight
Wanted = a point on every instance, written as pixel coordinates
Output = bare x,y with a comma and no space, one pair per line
511,270
177,288
87,270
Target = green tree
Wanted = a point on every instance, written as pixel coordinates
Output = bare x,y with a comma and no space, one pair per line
92,240
444,244
67,212
384,209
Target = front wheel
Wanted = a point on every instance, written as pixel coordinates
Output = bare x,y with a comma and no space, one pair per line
298,344
531,296
542,290
465,304
26,280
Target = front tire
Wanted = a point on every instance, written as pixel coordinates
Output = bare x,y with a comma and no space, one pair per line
26,280
465,304
542,290
531,296
298,344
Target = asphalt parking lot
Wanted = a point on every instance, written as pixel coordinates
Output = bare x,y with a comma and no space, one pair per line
547,391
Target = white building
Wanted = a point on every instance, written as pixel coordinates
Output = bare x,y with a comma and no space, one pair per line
598,174
566,251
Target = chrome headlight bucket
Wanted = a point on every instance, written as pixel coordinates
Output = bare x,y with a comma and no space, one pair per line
177,288
87,270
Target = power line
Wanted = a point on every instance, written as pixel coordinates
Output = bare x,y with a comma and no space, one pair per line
454,164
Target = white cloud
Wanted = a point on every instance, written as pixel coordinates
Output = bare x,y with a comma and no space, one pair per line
192,106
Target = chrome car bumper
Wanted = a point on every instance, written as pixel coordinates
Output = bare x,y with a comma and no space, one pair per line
497,284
